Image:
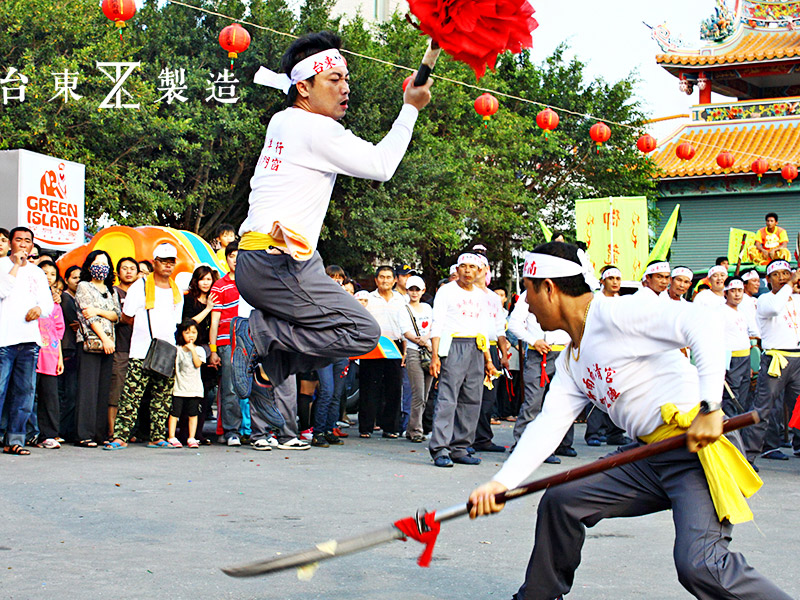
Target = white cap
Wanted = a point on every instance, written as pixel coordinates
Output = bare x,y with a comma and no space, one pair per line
361,295
415,281
165,250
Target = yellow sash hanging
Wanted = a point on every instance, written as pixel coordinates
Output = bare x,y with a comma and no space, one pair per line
730,477
778,361
150,292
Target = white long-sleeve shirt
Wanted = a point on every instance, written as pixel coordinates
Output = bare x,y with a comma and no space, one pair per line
302,155
710,299
629,367
457,311
778,319
523,324
739,328
748,307
495,313
29,289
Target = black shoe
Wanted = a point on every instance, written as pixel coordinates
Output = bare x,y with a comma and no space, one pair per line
470,450
319,441
594,442
333,440
755,468
570,452
491,448
619,441
466,460
552,460
774,454
443,461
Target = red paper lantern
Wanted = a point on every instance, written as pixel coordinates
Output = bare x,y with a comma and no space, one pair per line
685,151
789,172
646,143
600,133
119,11
759,167
235,39
486,105
725,160
547,120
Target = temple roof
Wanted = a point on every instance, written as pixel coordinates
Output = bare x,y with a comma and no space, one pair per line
776,140
746,46
755,31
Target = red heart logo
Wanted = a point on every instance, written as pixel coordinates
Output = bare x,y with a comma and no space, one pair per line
425,324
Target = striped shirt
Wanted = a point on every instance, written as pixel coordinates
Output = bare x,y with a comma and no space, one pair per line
227,305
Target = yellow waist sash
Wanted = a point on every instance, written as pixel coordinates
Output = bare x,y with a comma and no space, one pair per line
730,477
778,361
740,353
553,347
280,237
480,340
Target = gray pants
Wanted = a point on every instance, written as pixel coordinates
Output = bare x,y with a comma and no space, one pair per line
420,386
483,432
302,319
535,393
738,379
286,403
768,401
264,414
671,480
459,403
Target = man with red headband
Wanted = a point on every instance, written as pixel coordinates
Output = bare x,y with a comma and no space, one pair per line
623,358
302,319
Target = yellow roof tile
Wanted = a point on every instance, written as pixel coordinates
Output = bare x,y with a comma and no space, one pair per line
751,46
778,143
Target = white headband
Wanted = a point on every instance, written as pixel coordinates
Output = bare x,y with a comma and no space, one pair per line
778,265
735,284
717,269
682,271
453,269
472,259
615,272
659,267
750,275
545,266
306,68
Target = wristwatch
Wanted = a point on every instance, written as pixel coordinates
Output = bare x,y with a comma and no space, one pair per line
709,407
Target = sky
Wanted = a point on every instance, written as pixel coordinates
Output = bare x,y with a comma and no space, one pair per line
611,39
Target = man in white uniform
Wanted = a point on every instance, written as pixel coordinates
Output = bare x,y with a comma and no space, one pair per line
303,319
621,357
778,316
739,328
680,283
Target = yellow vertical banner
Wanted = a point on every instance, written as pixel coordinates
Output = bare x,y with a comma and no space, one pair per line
615,232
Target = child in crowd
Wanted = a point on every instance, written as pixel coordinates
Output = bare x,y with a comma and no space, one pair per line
363,297
225,235
50,365
188,391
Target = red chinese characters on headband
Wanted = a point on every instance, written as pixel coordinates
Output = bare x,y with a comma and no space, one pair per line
319,67
529,270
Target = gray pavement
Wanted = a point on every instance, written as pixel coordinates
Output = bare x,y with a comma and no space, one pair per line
146,523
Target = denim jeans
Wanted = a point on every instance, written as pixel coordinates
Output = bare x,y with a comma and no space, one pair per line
331,389
17,387
230,409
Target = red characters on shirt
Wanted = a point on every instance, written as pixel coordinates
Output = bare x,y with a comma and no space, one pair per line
598,374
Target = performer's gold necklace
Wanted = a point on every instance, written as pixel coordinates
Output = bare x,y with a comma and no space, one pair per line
577,357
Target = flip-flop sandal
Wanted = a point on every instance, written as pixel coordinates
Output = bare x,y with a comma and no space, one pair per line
161,444
365,435
114,446
16,449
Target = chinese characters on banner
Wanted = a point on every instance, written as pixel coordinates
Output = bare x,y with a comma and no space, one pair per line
221,87
615,232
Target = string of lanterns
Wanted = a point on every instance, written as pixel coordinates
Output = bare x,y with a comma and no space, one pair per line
235,39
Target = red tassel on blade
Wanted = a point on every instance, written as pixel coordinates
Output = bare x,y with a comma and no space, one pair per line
544,379
409,527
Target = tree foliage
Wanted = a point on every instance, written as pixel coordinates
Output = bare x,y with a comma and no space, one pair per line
188,164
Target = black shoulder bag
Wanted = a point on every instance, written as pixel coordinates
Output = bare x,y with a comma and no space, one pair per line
160,355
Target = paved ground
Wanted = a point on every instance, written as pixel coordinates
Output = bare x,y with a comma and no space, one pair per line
144,523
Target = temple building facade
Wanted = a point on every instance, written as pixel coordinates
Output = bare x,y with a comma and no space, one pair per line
752,56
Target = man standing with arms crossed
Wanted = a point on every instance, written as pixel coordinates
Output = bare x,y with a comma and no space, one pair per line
302,319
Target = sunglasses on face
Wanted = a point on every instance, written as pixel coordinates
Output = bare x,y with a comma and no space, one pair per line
33,257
